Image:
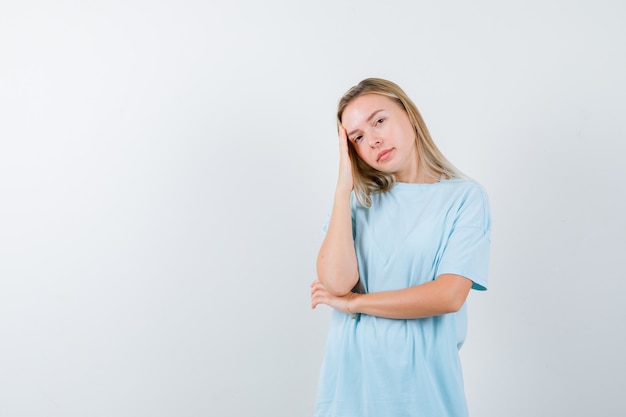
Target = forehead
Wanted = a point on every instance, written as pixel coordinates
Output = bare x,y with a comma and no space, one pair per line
362,107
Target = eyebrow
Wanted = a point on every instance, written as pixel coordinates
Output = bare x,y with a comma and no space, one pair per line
368,120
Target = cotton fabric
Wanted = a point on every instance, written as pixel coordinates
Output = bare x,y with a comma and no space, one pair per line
378,367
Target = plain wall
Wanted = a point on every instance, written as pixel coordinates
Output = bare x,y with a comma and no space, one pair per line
166,167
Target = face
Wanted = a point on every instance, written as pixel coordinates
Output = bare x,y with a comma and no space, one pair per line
382,135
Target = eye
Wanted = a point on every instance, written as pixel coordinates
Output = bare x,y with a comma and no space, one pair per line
357,138
380,121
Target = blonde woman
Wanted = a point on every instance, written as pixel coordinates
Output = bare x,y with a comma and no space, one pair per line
407,239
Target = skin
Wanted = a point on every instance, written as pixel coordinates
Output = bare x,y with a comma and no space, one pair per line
382,135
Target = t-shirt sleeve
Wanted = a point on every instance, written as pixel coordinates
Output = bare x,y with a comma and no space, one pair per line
466,251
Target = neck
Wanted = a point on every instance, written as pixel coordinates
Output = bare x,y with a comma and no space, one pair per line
420,176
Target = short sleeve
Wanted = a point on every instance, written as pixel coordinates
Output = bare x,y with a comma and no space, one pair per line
466,250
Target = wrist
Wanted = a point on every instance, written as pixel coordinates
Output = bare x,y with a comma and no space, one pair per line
350,305
342,195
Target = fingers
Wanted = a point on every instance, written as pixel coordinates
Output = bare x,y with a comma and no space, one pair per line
319,294
343,139
345,182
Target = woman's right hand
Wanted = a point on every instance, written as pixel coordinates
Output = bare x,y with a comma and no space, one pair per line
345,181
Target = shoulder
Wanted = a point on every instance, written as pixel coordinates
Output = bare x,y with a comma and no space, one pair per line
471,201
464,185
465,190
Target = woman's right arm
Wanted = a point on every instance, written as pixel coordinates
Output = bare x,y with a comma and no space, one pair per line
337,267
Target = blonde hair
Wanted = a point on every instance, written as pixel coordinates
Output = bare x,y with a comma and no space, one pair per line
368,179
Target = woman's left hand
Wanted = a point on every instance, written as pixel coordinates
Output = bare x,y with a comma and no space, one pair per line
319,295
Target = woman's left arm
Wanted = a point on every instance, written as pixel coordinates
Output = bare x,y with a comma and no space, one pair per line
444,295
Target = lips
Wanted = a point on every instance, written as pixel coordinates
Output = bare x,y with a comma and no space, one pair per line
383,155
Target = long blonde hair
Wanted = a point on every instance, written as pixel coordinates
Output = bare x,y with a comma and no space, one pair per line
368,179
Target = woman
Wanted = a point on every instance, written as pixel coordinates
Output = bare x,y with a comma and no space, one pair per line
407,239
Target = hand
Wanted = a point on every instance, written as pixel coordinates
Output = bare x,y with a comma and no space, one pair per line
319,295
345,181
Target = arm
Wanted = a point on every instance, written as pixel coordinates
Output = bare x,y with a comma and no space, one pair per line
337,267
444,295
467,250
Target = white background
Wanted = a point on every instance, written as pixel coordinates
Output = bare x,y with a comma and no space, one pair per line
166,167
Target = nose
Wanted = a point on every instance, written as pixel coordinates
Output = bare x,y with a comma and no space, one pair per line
375,140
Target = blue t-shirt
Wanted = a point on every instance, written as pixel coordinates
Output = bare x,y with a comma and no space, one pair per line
378,367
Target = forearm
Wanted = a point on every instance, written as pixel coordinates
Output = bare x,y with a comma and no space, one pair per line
444,295
337,265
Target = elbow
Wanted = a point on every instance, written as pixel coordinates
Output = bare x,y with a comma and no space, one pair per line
338,291
337,281
453,302
336,286
454,290
455,305
334,283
